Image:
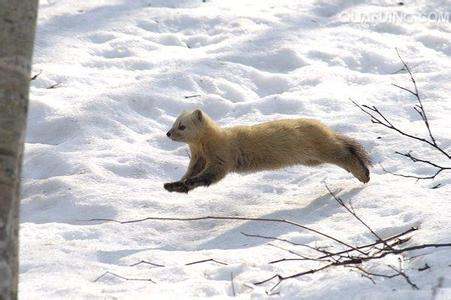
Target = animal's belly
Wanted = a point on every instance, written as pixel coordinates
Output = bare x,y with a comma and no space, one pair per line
255,163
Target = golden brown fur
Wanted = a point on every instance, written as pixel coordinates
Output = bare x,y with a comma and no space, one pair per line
216,151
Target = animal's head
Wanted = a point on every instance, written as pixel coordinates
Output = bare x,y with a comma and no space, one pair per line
188,127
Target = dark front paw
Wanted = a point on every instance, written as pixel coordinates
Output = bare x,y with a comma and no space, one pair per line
178,186
188,182
192,183
169,186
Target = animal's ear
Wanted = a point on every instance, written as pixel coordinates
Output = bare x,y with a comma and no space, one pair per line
198,116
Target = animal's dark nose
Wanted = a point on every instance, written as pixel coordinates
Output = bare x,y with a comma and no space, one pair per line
168,134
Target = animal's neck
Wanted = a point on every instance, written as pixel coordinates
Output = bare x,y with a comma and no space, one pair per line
211,134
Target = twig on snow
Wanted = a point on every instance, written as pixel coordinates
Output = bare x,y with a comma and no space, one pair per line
206,260
353,213
232,284
36,75
190,219
54,86
378,117
122,277
147,263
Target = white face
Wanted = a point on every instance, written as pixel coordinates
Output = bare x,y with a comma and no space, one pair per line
186,127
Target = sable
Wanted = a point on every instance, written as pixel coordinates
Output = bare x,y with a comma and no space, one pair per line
217,151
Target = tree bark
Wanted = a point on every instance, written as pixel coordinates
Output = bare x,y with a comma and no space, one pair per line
17,31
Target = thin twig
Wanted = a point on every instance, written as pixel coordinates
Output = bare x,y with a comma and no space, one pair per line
413,176
424,268
302,257
54,86
420,106
36,75
416,159
333,254
191,96
378,117
403,274
232,284
341,202
354,261
147,263
204,261
284,240
189,219
122,277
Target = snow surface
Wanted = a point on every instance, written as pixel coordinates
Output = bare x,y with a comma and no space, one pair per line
96,144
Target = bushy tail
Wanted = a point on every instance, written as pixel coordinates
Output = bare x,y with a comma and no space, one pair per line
359,161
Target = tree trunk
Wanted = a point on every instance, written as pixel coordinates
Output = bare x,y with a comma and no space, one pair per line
17,30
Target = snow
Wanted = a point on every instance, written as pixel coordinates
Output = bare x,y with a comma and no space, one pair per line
96,145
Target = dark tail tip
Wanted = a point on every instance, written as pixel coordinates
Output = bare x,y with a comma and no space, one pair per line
358,153
357,150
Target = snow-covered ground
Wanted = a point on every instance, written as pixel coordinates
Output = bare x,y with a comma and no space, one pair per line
123,70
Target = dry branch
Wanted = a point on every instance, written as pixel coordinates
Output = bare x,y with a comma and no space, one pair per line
192,96
54,86
378,117
352,212
147,263
122,277
187,219
286,241
348,258
351,261
34,77
206,260
302,257
232,285
400,272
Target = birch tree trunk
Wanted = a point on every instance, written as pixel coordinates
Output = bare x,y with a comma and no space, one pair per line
17,30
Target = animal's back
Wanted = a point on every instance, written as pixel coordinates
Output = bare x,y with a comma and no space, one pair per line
277,144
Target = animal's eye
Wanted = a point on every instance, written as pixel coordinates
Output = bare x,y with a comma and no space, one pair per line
182,127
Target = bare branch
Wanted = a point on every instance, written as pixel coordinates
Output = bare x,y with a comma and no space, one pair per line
345,259
333,254
232,284
189,219
378,118
191,96
302,257
386,123
416,159
405,89
286,241
403,274
206,260
369,274
282,278
54,86
354,261
122,277
414,176
147,263
341,202
424,268
36,75
421,107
